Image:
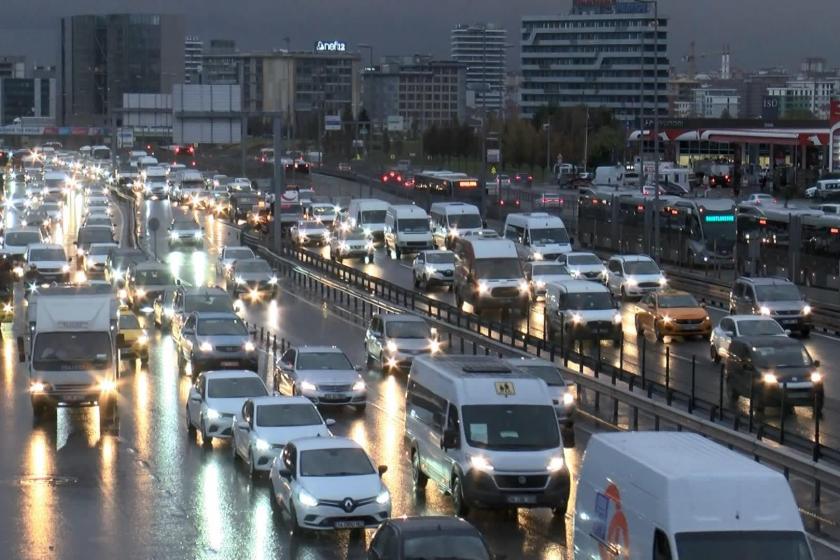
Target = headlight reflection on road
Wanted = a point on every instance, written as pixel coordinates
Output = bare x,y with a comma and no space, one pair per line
211,508
198,261
38,509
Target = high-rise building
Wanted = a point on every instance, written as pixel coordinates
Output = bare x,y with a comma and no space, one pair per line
220,63
601,54
483,49
13,66
26,97
753,90
805,97
193,51
103,56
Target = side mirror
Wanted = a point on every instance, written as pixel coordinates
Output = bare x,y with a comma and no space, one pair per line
243,425
787,332
816,363
194,396
450,440
21,349
70,260
329,422
382,470
359,368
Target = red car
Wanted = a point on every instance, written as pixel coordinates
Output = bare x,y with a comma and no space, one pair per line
392,176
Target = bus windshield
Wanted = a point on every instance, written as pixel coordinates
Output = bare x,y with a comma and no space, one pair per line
373,217
719,227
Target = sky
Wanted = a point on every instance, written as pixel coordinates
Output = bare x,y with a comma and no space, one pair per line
760,33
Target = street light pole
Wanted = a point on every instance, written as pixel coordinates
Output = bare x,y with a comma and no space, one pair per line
655,122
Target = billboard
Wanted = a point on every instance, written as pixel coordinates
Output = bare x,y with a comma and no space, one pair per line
332,122
770,107
395,123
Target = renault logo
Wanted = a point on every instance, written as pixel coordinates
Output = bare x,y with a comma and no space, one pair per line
349,505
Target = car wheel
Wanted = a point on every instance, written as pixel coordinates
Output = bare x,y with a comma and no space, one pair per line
206,440
713,353
181,366
459,301
806,332
623,294
640,330
251,470
381,363
295,530
458,501
731,393
560,511
416,282
190,428
657,333
397,253
417,477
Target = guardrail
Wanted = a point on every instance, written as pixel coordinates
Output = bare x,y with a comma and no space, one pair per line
599,394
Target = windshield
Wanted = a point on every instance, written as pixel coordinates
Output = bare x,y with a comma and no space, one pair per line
276,415
495,269
678,300
549,374
185,225
406,329
323,210
544,236
464,221
347,461
88,236
583,260
222,326
208,303
588,301
100,250
129,322
719,227
47,255
440,258
22,237
413,225
511,427
235,388
743,545
641,267
759,327
234,254
193,184
71,351
550,269
311,224
781,356
323,361
373,217
253,266
355,236
778,292
453,547
153,277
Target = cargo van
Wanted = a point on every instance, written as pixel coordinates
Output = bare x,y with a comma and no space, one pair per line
680,496
538,235
488,273
368,214
581,310
450,220
485,433
407,230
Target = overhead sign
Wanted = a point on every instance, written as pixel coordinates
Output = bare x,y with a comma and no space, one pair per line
330,46
494,155
332,122
395,123
125,138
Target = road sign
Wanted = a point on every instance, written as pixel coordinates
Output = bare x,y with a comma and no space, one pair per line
125,137
395,123
492,170
332,122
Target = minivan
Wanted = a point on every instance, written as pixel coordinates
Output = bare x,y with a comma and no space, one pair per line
407,230
368,214
488,273
538,235
450,220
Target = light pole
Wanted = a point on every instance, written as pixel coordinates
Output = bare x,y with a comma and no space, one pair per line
547,128
655,124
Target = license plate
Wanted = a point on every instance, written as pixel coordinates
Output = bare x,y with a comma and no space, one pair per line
334,396
229,363
525,499
349,524
788,321
72,398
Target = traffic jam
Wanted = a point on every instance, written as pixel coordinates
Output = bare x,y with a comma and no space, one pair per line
133,295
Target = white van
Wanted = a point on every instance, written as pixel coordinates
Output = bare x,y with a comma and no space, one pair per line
146,162
610,176
680,496
407,230
488,273
484,432
453,219
368,214
538,235
581,310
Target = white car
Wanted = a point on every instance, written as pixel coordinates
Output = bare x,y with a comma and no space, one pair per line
310,232
541,273
760,199
216,398
351,243
323,484
323,374
229,254
740,325
584,266
634,276
266,424
433,267
96,256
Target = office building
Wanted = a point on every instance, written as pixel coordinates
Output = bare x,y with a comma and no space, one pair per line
27,97
423,91
193,51
804,97
220,64
12,66
593,56
753,89
716,102
483,49
103,56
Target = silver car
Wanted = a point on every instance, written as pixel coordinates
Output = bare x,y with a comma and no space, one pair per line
215,341
252,278
433,267
351,244
733,326
323,374
310,232
393,340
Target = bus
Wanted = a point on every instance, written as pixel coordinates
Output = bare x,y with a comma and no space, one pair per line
446,183
100,154
692,231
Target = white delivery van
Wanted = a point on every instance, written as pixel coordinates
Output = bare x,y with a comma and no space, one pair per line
407,230
488,273
145,162
680,496
581,310
450,220
368,214
484,432
609,176
538,235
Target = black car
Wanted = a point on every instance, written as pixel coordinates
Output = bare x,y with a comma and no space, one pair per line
766,367
522,178
432,537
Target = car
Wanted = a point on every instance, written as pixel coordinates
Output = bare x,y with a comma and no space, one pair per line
733,326
89,235
775,371
196,300
96,257
216,398
522,178
564,393
214,340
144,281
231,253
393,340
185,232
16,239
163,309
433,267
253,278
351,243
777,298
824,189
327,484
46,263
309,232
133,340
53,210
634,276
671,313
117,263
503,181
584,266
578,310
540,273
428,536
324,212
833,209
392,176
323,374
266,424
36,217
344,167
761,199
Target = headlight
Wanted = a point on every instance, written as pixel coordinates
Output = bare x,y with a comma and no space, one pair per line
18,271
769,379
262,445
206,347
359,385
434,346
483,288
430,269
764,310
141,293
249,346
306,499
617,319
540,284
555,464
538,256
173,235
383,498
391,346
575,273
118,275
273,280
80,252
239,280
143,339
369,246
806,310
632,282
228,267
816,377
523,287
667,319
663,281
481,463
307,386
122,293
568,399
168,312
37,387
342,246
213,414
366,231
107,386
198,235
577,318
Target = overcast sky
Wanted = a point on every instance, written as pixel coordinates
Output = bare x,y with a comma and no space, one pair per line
760,33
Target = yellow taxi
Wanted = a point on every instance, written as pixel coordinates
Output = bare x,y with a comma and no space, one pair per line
133,340
672,313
